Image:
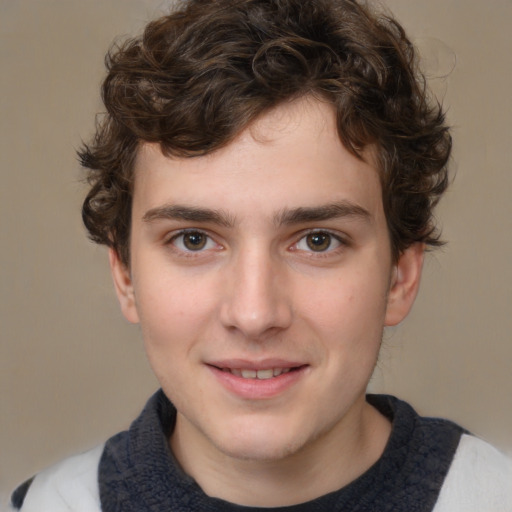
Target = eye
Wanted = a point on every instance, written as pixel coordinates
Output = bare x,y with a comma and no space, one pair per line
318,241
192,241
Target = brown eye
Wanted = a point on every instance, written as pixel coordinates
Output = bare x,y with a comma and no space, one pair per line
194,241
319,242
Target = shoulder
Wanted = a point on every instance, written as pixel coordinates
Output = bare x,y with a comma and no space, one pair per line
479,479
71,485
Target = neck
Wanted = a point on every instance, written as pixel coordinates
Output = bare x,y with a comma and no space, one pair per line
326,464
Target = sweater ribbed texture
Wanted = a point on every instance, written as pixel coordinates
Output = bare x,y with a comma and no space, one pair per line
138,472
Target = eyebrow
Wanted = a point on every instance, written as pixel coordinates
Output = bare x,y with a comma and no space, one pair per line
304,214
288,216
189,213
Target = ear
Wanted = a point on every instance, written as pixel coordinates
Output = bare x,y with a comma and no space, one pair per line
124,287
404,284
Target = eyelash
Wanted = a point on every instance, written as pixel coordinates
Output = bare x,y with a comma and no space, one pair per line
181,234
341,242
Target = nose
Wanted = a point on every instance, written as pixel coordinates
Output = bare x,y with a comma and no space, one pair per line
255,296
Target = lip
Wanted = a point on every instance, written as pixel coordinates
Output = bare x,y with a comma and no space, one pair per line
262,364
257,389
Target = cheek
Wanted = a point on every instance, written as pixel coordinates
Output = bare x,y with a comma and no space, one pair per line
169,325
171,312
349,304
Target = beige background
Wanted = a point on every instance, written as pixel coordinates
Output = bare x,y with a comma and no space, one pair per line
72,372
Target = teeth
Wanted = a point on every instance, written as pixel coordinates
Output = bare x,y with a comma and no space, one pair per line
265,374
258,374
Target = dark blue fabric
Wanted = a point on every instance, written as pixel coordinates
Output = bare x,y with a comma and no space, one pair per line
138,472
18,496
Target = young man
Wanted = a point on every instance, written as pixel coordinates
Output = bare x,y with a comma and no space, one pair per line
264,179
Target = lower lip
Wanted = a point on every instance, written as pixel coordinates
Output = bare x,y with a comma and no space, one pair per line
258,389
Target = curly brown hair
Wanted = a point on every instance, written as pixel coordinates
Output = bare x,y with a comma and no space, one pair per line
196,78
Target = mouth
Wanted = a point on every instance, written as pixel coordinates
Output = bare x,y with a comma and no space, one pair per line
258,380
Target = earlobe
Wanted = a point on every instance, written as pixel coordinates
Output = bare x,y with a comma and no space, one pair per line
123,286
405,284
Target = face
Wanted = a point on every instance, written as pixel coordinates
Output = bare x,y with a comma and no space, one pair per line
262,278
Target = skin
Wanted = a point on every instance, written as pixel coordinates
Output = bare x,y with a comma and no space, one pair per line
286,261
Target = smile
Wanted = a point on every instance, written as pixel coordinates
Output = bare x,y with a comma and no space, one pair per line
260,380
268,373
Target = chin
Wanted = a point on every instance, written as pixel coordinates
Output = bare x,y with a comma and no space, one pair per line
252,450
260,443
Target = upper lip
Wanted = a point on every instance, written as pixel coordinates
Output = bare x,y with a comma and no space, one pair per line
263,364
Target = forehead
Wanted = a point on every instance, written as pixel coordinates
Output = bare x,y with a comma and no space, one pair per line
290,157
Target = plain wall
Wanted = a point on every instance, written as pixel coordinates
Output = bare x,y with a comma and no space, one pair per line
73,372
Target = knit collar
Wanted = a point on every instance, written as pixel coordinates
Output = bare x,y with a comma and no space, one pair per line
138,472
